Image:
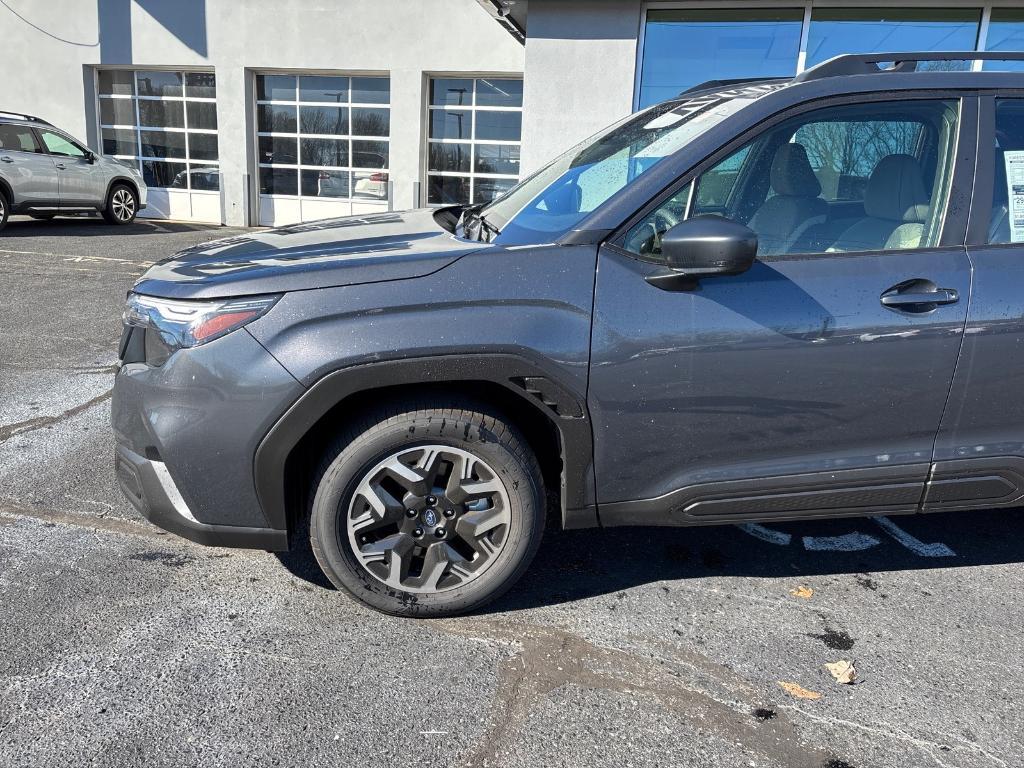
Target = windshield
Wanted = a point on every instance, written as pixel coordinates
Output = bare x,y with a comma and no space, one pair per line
555,199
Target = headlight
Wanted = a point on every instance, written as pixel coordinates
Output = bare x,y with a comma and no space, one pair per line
172,324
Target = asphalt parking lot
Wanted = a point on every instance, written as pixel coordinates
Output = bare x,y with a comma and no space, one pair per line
123,646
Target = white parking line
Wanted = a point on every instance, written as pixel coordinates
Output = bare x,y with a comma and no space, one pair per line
766,534
918,547
849,542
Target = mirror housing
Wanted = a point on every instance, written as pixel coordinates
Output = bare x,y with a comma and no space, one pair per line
709,245
90,157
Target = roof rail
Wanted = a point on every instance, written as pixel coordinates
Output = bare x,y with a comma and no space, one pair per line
717,85
868,63
25,118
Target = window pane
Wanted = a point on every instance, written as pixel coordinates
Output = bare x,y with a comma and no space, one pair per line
329,89
162,114
446,190
1005,33
499,126
204,178
201,85
497,158
158,173
278,149
371,90
58,145
163,144
370,186
485,190
644,239
491,92
114,81
451,124
201,114
369,154
275,87
325,183
325,152
119,141
159,83
18,138
117,112
449,157
866,30
684,48
331,121
279,181
371,122
1007,222
276,119
202,146
445,91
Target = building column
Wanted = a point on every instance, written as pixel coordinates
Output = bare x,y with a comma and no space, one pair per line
406,135
235,121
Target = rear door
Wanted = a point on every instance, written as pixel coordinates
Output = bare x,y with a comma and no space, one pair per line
82,181
815,382
26,168
979,451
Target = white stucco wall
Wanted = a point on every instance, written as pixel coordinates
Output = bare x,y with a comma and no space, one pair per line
57,43
580,72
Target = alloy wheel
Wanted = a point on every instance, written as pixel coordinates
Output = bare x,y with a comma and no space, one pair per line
123,204
428,519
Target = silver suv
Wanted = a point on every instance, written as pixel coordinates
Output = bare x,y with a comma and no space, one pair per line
46,173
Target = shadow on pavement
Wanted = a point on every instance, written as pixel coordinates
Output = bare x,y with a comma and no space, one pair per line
93,227
573,565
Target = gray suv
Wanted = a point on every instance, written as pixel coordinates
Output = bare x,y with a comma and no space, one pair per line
769,300
44,172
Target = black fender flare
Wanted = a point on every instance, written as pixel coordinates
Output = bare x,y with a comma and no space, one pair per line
534,383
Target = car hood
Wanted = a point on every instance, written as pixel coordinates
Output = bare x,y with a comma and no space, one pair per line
321,254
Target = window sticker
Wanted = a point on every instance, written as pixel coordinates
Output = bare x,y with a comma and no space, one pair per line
1015,193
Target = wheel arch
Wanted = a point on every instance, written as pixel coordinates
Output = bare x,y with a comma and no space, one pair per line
8,193
551,416
127,181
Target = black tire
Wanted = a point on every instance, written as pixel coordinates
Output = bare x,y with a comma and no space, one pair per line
122,205
5,208
491,442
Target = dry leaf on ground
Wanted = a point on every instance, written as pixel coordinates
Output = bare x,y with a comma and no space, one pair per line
843,671
802,592
798,691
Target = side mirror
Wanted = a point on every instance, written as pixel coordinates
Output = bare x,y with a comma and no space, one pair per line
90,157
709,245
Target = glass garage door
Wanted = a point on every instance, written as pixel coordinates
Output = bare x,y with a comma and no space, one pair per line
165,122
322,146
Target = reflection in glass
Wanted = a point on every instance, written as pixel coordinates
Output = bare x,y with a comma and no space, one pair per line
497,158
158,173
200,85
447,190
492,92
115,81
1006,33
276,118
371,90
119,141
451,124
279,181
370,122
369,154
203,178
162,114
163,144
485,190
449,157
499,126
278,149
159,83
325,152
866,30
446,90
201,114
202,146
686,47
323,120
369,185
117,112
322,183
275,87
328,89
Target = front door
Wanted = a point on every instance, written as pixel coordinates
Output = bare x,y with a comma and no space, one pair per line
815,382
82,181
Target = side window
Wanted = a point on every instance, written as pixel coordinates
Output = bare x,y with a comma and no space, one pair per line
865,177
17,138
58,145
1006,224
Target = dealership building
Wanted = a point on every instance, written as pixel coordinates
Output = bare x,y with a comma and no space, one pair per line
268,113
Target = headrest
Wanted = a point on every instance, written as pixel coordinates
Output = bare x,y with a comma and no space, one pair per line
792,173
896,190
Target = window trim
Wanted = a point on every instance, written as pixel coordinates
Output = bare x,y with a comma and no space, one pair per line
984,182
954,228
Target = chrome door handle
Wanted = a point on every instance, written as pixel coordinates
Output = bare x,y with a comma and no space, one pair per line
918,295
6,160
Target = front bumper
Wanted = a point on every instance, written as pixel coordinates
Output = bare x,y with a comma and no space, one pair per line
149,487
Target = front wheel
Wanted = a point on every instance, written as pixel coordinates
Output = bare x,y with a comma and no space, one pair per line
122,205
3,210
429,511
